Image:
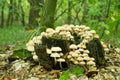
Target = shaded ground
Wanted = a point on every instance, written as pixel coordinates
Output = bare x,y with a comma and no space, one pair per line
26,70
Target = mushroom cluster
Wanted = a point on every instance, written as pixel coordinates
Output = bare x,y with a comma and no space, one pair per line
30,47
106,49
57,55
78,54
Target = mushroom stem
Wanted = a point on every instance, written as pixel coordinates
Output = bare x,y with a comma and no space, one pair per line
60,63
55,62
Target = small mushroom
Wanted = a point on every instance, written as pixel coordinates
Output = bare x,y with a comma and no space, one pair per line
77,51
43,34
90,65
69,56
71,52
72,59
61,54
86,58
37,39
49,30
92,59
56,49
87,28
84,55
35,57
60,60
82,63
81,50
93,31
96,36
55,56
79,58
83,46
73,47
74,55
86,51
30,46
48,51
75,62
106,50
85,41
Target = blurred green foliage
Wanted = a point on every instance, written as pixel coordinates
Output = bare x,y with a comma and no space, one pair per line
76,70
101,15
22,53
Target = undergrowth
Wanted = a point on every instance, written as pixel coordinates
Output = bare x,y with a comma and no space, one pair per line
16,34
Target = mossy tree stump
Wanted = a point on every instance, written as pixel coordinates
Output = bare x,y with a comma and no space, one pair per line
63,37
94,46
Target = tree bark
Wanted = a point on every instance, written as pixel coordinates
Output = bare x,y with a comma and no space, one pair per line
22,14
34,12
69,18
10,14
48,13
85,7
2,15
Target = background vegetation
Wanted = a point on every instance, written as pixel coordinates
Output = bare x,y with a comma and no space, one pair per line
21,19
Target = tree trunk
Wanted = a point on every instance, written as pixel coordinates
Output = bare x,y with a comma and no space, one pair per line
85,7
2,15
10,14
48,13
34,12
69,12
22,13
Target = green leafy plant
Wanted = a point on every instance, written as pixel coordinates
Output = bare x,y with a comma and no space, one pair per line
77,70
65,75
22,53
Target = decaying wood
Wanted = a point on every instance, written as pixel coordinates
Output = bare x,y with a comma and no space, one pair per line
96,51
44,58
94,46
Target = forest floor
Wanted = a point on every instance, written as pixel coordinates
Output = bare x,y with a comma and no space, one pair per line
25,70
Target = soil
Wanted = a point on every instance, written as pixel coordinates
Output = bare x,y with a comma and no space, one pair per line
20,69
